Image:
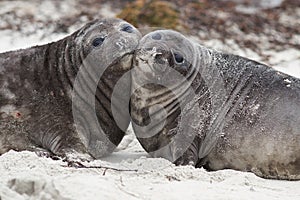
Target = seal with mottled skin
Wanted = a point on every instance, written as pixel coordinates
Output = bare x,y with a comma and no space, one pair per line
55,98
197,106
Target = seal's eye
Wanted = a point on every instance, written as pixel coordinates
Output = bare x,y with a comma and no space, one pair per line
127,28
178,58
98,41
156,36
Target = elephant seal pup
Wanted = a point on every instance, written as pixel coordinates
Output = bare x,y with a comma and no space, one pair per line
55,98
192,105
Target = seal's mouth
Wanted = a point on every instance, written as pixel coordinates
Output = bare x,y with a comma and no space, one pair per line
126,58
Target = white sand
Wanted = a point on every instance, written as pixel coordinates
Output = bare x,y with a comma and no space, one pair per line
26,176
23,175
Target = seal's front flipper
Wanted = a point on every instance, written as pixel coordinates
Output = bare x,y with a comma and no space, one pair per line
42,152
65,153
60,141
72,155
190,156
75,159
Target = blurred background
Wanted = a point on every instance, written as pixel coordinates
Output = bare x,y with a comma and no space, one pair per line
264,30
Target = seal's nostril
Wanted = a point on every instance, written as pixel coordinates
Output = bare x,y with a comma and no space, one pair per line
159,58
156,36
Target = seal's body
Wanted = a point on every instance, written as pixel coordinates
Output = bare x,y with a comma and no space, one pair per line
196,106
47,96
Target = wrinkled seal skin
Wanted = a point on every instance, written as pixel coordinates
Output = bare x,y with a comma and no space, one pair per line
248,115
37,89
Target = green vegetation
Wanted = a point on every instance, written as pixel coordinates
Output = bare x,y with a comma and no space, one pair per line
152,13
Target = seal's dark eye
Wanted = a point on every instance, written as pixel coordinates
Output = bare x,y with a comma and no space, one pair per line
127,28
178,58
98,41
156,36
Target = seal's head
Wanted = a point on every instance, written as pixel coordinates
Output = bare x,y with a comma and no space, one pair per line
162,51
108,39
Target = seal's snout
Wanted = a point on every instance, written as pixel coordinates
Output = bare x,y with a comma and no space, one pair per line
122,43
159,58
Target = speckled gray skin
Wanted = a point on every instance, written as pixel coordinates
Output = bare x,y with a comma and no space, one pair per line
36,91
236,113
